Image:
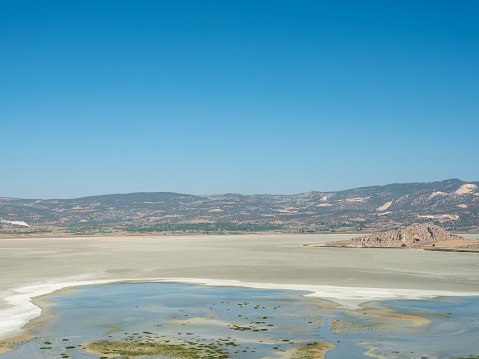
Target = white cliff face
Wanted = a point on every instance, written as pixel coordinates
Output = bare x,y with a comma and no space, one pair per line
438,193
384,206
16,223
466,188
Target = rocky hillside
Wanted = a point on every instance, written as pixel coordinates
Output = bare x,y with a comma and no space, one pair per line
424,236
416,235
450,203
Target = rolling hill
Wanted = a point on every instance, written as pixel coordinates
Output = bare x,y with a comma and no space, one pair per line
450,203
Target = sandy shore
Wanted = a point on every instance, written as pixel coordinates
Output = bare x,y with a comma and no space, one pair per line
34,267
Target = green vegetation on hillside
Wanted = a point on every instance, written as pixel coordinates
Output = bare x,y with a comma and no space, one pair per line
451,204
201,227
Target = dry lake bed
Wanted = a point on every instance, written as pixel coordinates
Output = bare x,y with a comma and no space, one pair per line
219,296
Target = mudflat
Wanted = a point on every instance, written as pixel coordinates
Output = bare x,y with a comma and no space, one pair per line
31,267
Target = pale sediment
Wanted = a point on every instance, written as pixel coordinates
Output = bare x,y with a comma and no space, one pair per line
346,277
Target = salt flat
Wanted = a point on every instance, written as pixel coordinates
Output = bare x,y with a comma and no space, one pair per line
31,267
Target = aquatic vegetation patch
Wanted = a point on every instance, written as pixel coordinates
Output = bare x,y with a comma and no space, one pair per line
131,348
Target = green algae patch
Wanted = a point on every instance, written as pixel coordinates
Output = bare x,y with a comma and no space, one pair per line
131,348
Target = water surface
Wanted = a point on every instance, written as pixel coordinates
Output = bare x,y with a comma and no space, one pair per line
261,323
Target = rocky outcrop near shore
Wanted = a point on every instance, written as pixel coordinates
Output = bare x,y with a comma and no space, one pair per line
416,235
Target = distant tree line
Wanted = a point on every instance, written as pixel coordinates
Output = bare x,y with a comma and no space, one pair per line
200,227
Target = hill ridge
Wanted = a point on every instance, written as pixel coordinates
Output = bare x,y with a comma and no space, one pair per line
449,203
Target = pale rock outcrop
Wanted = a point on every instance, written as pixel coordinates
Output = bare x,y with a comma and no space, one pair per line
15,223
384,206
414,235
466,188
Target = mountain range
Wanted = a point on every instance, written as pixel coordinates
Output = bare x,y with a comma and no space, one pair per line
452,204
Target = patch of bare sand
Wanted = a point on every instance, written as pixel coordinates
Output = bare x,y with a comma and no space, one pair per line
380,312
456,243
201,320
309,351
416,320
5,343
370,351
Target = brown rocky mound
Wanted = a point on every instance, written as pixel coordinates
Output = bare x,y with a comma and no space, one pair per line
425,235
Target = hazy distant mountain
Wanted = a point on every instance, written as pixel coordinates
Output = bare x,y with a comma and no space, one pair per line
451,203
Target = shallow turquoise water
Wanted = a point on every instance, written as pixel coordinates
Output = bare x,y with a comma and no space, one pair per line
260,322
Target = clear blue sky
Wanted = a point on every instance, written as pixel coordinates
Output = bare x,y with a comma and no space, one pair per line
208,97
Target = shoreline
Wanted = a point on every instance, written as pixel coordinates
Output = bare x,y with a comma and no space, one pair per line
25,307
99,235
333,279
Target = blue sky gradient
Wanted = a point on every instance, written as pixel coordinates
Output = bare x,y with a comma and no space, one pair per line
250,97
